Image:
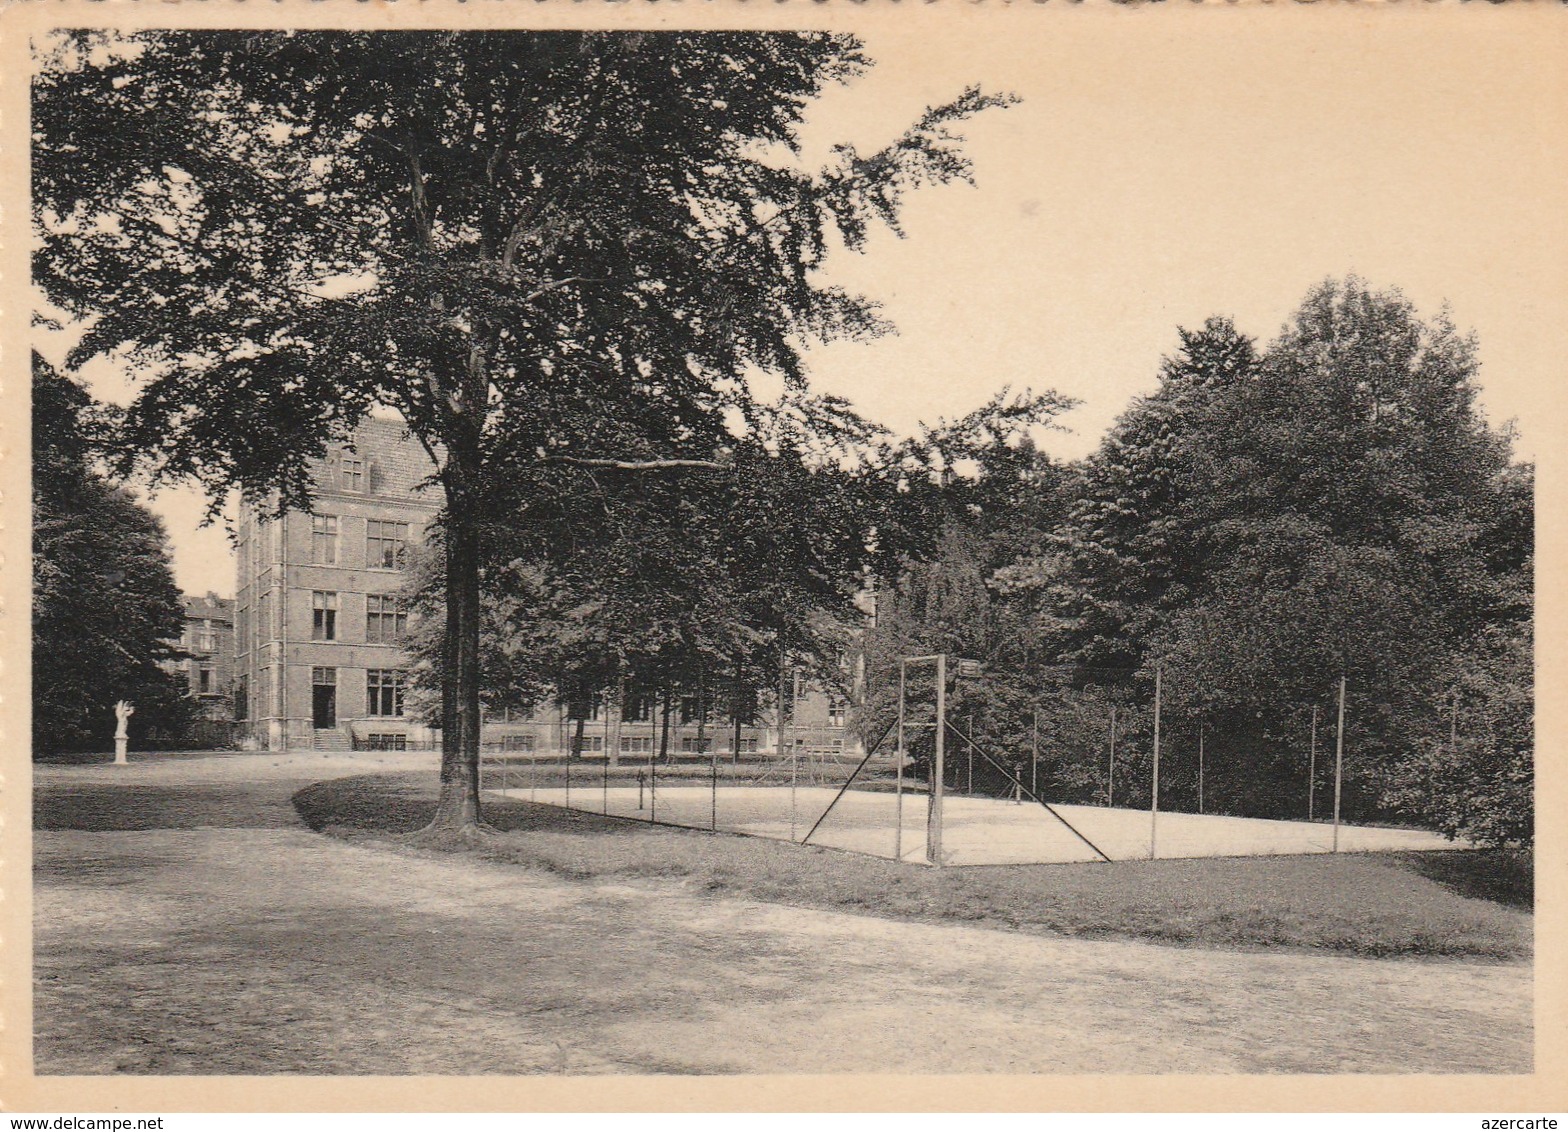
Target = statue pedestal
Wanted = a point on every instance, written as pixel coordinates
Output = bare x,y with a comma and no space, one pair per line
119,750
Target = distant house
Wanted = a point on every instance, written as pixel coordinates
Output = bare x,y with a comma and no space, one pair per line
208,641
320,618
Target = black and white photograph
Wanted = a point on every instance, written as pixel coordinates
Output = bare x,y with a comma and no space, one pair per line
733,556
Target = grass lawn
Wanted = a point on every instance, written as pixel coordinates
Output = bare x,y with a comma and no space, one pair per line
1464,904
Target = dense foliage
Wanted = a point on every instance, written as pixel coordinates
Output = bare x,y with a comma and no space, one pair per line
1264,523
546,251
105,606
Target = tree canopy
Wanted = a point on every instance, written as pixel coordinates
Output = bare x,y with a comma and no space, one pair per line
544,250
105,607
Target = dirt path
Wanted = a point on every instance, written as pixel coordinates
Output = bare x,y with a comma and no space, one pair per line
186,923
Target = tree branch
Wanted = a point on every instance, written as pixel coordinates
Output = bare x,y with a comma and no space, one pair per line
635,465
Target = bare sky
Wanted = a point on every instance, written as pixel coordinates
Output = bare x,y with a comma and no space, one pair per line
1149,179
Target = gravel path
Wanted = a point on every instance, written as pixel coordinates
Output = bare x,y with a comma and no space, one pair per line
185,922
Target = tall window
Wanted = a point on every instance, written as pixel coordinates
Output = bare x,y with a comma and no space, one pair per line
838,708
386,619
324,616
204,681
384,691
242,698
324,539
353,477
385,544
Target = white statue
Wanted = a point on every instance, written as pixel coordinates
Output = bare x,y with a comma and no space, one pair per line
122,712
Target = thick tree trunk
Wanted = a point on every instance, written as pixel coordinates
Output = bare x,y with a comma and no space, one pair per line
457,809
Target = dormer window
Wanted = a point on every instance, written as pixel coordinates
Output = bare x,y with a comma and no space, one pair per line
353,473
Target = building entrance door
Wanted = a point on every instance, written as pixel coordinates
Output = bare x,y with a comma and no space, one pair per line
324,698
324,707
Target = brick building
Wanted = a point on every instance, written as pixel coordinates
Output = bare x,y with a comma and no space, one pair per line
319,615
319,618
208,639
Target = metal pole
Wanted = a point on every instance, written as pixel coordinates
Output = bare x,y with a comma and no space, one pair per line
1034,751
653,773
568,778
1339,758
898,789
969,787
794,772
1312,762
1110,767
938,769
1200,768
713,815
607,779
1154,793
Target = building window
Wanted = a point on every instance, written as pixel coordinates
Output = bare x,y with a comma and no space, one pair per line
242,698
324,616
386,619
633,744
638,709
517,742
589,709
324,540
838,708
692,746
204,681
386,544
591,744
353,469
384,691
747,747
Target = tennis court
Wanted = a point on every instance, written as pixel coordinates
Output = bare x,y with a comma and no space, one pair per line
975,831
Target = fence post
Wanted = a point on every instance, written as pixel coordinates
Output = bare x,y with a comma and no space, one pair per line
1154,793
1339,757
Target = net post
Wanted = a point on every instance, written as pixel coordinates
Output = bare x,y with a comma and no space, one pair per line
1200,767
1312,762
1034,751
1110,766
898,789
938,769
1339,758
1154,792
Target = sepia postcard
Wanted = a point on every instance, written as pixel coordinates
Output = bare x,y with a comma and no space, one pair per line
795,557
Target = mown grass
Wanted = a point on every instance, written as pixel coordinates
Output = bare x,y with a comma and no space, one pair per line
1472,905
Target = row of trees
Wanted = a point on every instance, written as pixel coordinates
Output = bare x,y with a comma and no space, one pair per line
560,256
106,610
549,252
1263,523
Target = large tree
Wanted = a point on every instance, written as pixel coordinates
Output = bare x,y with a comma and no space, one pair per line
105,606
539,248
1333,505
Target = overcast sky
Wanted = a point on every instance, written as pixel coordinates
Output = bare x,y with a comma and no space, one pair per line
1147,181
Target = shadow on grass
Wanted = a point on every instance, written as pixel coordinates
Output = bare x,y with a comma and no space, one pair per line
1503,876
104,807
1369,904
